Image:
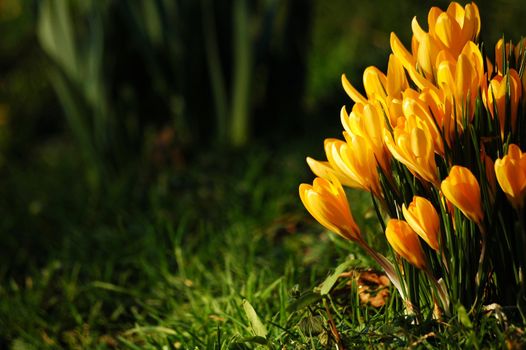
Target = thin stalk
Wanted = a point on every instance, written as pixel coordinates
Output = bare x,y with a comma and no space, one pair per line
214,68
521,298
482,255
334,330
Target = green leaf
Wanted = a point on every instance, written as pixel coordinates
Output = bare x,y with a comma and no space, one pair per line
113,288
258,327
463,317
56,34
303,301
151,330
329,282
255,340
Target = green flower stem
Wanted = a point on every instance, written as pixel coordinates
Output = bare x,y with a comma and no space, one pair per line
521,298
482,255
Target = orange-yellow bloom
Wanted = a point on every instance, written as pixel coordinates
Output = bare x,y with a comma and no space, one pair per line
414,104
409,62
325,170
405,242
442,105
396,78
367,121
423,218
462,189
461,78
374,82
355,161
379,86
412,145
500,50
511,175
449,31
393,109
327,203
496,95
351,91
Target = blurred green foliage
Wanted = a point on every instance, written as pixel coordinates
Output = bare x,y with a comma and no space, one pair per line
121,68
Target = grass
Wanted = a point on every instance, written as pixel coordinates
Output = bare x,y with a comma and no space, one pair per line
215,254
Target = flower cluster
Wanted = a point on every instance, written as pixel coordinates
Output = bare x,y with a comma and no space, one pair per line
438,141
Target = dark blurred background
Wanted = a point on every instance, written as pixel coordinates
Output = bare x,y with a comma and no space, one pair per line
100,99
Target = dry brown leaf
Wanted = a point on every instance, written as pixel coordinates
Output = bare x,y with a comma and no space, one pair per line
373,287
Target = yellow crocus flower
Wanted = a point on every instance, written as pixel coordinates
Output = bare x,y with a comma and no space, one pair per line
442,105
461,78
499,48
476,61
354,159
495,98
426,50
449,32
457,25
374,82
327,203
351,91
511,175
462,189
414,104
325,170
367,121
423,218
450,29
396,78
377,85
409,62
393,109
412,145
405,242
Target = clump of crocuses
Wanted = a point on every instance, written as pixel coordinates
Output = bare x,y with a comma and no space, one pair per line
438,140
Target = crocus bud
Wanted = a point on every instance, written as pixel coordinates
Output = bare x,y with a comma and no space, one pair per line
405,242
327,203
462,189
423,218
511,175
499,90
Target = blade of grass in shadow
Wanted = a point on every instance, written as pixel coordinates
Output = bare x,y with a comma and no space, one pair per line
241,88
214,68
